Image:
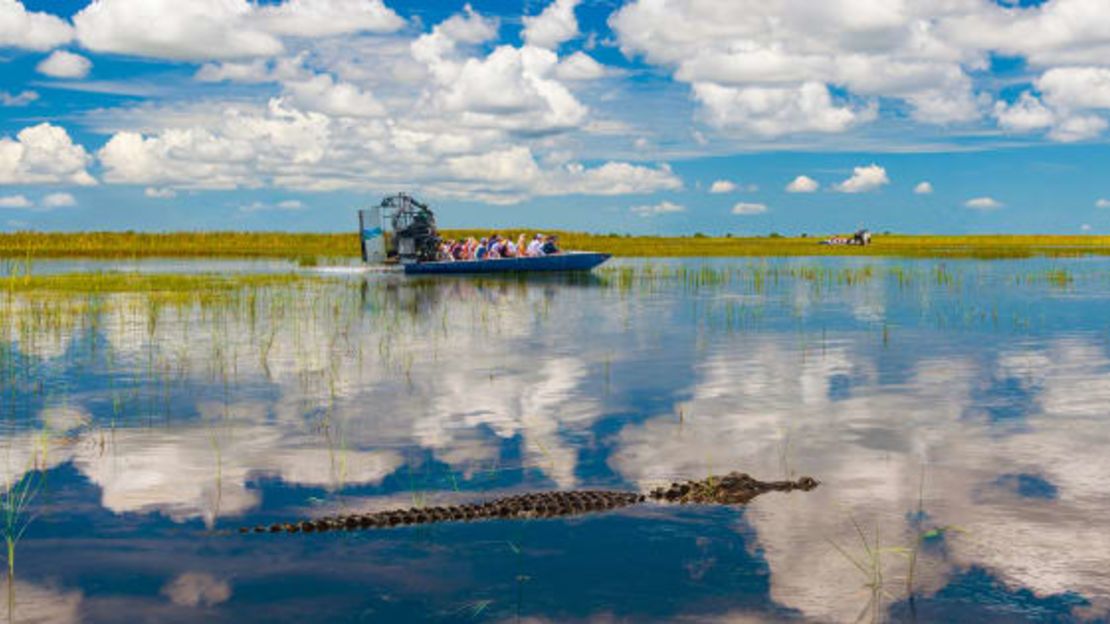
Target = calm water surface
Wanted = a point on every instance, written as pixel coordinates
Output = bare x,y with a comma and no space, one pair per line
955,412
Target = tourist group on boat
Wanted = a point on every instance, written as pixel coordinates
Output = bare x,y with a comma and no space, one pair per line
496,246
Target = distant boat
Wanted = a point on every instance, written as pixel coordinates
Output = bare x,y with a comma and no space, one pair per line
403,230
562,261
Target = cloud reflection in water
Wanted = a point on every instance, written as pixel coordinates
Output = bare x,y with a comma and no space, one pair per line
339,388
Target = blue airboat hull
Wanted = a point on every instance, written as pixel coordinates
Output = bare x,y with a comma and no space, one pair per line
567,261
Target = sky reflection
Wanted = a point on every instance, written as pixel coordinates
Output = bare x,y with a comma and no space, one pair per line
955,415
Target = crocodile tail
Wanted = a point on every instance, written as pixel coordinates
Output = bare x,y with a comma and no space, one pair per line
534,505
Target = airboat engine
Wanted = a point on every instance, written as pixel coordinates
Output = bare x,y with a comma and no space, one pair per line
400,229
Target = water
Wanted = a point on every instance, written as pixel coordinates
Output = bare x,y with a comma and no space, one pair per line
955,413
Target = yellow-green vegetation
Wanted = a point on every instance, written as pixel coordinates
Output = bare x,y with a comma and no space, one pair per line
308,247
141,282
984,246
177,244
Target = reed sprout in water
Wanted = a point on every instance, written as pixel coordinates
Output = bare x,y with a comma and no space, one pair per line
15,504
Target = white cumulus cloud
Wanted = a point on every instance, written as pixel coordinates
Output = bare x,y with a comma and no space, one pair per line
512,88
1071,104
221,29
864,180
744,208
321,18
803,184
62,64
983,203
20,28
1061,32
1078,128
159,193
774,111
236,148
746,60
58,200
580,66
722,186
288,205
194,30
553,26
282,146
927,56
43,154
1025,114
509,175
323,94
447,112
1102,203
923,188
15,201
1076,87
651,210
286,68
611,178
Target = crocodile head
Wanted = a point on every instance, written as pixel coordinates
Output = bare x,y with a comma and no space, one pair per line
734,488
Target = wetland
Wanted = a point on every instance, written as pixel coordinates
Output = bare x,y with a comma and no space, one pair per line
954,412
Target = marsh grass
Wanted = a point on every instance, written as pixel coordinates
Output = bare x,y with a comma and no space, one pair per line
312,248
727,297
111,282
15,503
872,556
474,608
979,246
178,244
869,561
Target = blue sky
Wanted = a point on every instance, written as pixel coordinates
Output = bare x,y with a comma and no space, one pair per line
633,116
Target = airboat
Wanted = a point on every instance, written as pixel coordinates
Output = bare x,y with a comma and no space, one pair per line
402,231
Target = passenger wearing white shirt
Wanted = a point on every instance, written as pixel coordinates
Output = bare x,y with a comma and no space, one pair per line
535,248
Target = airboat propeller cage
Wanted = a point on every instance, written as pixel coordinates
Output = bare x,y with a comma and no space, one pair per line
399,228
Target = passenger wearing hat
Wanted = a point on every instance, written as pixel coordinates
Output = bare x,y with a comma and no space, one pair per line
549,247
535,248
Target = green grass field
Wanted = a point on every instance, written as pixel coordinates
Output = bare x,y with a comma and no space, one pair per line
310,247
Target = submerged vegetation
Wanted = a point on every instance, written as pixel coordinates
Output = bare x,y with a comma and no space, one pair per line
308,248
112,282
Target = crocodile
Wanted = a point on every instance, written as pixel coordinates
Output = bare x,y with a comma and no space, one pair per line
735,488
